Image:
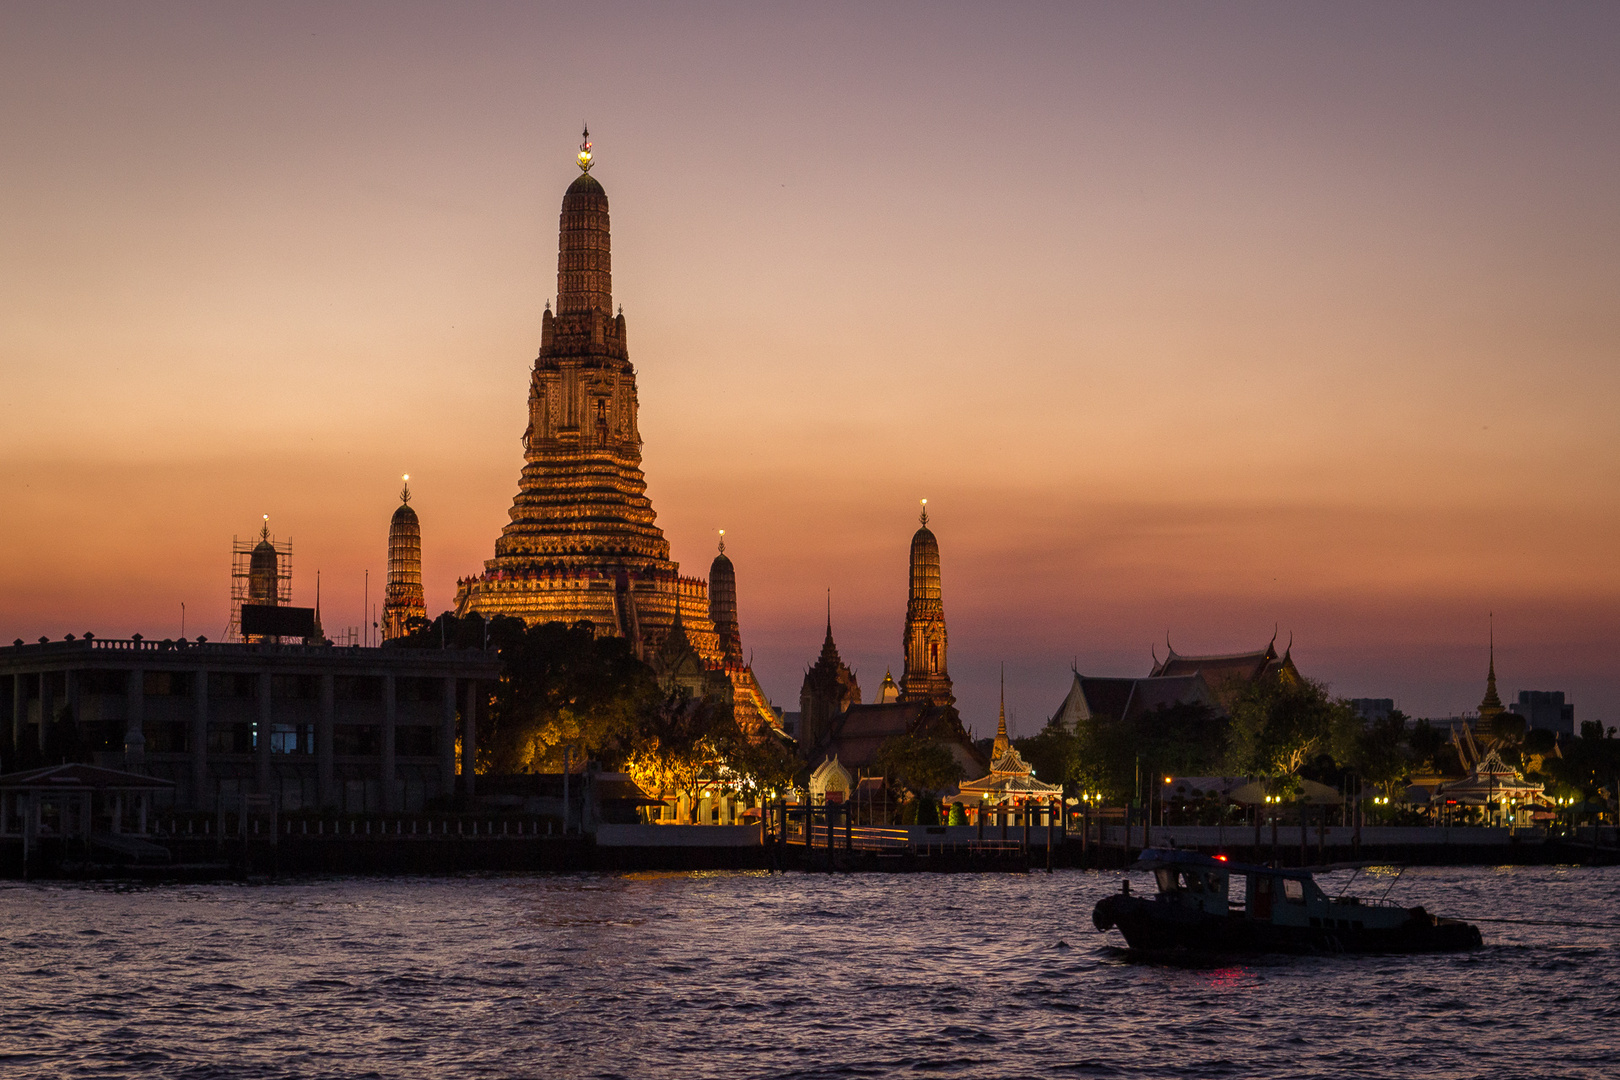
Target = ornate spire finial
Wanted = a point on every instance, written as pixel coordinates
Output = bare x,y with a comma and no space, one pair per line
585,159
722,541
829,613
925,512
264,530
405,492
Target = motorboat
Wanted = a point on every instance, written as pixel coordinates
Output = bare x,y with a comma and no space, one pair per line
1209,904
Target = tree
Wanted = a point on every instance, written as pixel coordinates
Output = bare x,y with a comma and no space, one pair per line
679,745
1372,749
922,765
560,687
1054,753
1279,725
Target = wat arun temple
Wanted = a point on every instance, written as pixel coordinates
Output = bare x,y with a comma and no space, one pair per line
583,542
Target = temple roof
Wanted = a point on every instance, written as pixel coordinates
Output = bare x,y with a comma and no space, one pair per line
1127,699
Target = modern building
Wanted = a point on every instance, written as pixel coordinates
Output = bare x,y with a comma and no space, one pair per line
1372,708
347,728
1545,710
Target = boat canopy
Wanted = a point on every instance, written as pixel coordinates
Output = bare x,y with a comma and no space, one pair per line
1156,858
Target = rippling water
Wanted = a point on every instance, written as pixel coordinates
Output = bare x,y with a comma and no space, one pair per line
742,975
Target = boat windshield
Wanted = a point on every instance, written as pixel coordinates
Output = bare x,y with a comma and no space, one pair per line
1182,878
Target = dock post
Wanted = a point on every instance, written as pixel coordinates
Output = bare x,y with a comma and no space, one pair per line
827,812
1051,833
1085,834
849,828
1025,816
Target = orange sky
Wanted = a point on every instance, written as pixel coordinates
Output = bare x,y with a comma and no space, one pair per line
1184,318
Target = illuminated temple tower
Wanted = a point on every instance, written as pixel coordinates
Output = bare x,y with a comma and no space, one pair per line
925,678
403,600
583,542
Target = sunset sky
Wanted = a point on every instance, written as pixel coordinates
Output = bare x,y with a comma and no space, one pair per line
1186,318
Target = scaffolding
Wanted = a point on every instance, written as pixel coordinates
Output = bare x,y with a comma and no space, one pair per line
265,579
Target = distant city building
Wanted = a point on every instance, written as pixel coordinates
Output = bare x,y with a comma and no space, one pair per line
1372,708
1545,710
403,600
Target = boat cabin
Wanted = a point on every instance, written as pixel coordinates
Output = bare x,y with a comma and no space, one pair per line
1215,885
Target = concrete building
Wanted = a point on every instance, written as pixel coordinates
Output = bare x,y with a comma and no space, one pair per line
345,728
1546,710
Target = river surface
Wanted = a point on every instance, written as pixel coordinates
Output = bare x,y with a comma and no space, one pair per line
752,975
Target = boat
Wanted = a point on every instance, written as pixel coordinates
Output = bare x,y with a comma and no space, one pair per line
1208,904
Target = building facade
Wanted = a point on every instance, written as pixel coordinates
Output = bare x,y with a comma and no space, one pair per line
346,728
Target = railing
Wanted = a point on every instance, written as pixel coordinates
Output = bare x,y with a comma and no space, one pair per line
216,648
401,827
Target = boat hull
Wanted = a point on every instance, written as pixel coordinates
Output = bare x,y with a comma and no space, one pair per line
1152,926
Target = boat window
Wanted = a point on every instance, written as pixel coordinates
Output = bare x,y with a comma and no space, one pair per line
1193,880
1167,879
1294,890
1212,882
1237,889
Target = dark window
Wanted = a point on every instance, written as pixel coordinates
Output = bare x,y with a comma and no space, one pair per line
230,738
413,740
296,687
232,684
356,739
358,688
165,683
103,682
171,737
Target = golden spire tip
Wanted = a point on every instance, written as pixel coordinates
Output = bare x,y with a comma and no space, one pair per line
585,158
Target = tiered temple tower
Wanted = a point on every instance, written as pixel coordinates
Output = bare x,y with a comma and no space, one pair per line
583,542
723,606
830,688
925,678
403,600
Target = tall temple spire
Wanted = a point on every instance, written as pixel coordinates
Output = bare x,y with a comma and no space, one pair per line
581,518
403,599
1002,742
1491,706
926,675
723,606
584,248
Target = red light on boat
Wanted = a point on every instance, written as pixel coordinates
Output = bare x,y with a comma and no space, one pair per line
1220,858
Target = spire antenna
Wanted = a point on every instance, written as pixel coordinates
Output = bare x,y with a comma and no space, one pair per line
586,160
925,513
405,492
722,541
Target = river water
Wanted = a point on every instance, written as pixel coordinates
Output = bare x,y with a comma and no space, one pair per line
752,975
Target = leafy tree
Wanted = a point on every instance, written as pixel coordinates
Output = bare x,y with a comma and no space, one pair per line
1055,753
1373,749
920,764
560,686
1280,725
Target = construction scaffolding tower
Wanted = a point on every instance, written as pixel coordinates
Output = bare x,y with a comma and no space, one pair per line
261,573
